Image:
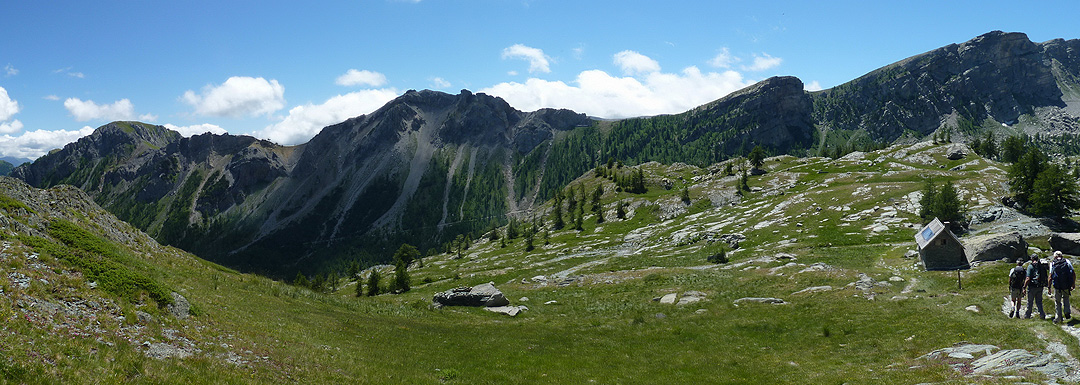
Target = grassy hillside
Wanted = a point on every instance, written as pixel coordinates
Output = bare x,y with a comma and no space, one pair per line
593,318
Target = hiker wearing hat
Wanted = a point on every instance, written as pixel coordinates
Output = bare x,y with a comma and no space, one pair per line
1063,281
1036,281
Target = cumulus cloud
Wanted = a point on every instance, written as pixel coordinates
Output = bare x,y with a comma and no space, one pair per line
633,63
10,70
88,110
538,62
724,59
361,78
34,144
239,96
598,93
51,97
11,127
8,107
197,129
763,62
812,86
305,121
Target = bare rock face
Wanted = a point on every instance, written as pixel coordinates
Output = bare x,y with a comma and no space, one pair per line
997,75
993,247
479,295
775,113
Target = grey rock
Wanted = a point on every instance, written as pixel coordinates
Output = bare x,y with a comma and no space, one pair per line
180,308
767,300
911,254
814,289
508,310
144,318
1068,243
955,152
479,295
993,247
668,299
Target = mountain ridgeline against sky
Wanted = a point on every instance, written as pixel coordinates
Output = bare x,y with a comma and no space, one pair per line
428,166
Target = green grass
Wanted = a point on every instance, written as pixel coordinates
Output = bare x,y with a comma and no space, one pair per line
592,331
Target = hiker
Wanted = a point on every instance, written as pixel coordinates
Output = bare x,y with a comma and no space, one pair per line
1035,282
1017,276
1063,279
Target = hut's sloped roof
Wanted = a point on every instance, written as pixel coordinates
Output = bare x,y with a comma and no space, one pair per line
929,232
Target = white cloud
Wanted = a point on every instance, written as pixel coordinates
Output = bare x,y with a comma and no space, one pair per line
305,121
10,70
538,62
239,96
633,63
724,59
51,97
76,75
8,106
33,144
197,129
361,78
11,127
763,62
440,83
813,86
88,110
512,73
597,93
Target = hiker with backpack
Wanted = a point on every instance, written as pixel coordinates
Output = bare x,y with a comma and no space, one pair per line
1063,279
1017,276
1036,280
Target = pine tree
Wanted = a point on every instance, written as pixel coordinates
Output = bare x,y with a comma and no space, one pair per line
757,157
620,210
402,258
685,195
596,195
1054,193
359,288
556,213
373,283
300,280
1023,173
529,239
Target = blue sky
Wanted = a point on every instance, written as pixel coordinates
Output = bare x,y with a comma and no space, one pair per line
282,70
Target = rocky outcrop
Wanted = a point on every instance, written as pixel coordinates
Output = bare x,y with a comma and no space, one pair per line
993,247
479,295
997,75
1068,243
774,113
956,152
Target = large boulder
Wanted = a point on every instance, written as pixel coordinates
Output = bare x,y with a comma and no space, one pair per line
993,247
1068,243
955,152
479,295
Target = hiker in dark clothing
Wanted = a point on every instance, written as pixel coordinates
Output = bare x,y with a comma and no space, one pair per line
1063,280
1036,280
1017,276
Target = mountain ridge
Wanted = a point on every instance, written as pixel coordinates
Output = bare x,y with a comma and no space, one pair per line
429,166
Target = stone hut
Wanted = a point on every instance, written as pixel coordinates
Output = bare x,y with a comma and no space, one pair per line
939,249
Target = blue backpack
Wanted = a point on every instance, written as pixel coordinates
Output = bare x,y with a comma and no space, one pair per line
1063,276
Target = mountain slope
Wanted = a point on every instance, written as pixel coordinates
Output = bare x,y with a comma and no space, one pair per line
429,166
826,237
999,76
